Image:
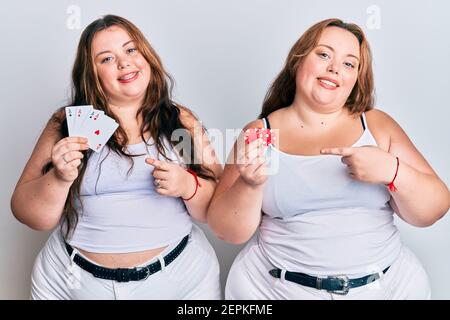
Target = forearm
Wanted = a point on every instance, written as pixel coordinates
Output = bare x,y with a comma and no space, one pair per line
421,198
235,214
198,205
39,203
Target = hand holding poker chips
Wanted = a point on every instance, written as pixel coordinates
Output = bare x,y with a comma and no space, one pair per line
252,134
85,121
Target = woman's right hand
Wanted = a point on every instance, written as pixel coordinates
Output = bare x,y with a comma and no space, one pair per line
66,157
251,162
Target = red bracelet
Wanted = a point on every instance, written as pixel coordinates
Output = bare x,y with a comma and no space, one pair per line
391,185
196,184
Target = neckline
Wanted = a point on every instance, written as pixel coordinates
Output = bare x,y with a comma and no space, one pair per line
140,143
314,155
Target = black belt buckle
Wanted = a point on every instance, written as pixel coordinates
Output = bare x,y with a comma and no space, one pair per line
343,281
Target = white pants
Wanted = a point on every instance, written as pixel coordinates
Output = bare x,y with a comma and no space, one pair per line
194,274
249,278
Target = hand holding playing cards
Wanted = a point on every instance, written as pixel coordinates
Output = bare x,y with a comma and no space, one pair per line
85,121
66,157
172,179
251,161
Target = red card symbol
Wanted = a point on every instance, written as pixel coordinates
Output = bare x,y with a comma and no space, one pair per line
97,132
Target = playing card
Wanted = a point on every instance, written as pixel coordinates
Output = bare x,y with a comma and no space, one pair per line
81,113
252,134
70,118
97,128
92,115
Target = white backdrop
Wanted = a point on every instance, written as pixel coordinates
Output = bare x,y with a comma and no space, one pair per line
223,55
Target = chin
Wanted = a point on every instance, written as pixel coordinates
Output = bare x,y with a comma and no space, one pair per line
134,92
325,102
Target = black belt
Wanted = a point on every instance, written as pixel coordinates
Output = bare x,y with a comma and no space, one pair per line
340,284
124,274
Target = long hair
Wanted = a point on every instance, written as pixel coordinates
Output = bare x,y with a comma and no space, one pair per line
282,92
160,114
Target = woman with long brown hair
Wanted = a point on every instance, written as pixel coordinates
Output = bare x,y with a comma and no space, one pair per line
124,214
340,169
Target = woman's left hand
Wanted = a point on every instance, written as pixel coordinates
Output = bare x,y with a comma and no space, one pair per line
172,179
367,163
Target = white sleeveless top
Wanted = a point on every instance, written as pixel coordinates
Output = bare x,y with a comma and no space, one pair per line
122,212
319,221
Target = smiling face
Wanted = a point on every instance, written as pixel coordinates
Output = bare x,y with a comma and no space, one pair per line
329,72
122,70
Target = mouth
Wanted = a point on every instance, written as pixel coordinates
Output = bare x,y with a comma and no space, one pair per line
328,83
129,77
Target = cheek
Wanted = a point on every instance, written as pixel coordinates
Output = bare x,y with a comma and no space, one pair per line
145,66
140,62
309,71
147,70
350,81
314,68
106,76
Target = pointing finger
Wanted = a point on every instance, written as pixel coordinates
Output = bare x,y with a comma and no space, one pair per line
342,151
161,165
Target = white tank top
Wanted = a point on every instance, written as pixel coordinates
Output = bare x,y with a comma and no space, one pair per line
317,220
123,212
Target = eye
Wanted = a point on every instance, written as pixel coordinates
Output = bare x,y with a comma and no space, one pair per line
131,50
323,55
107,59
349,65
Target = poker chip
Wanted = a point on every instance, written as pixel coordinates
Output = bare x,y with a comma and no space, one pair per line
266,135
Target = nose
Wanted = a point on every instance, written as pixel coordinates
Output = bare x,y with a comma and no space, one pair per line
333,68
123,63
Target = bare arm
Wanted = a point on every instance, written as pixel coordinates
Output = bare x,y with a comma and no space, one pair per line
38,199
235,210
198,205
422,197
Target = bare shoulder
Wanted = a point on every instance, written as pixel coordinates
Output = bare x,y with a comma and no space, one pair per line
52,131
398,143
383,127
277,117
187,117
185,111
42,152
258,123
378,115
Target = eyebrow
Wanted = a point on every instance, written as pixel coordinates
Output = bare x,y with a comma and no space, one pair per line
331,48
106,51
